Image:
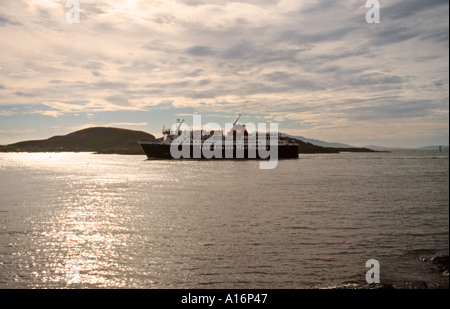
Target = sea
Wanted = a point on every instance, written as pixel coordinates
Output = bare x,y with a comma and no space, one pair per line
83,220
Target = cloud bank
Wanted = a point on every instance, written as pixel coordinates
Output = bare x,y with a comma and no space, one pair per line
316,66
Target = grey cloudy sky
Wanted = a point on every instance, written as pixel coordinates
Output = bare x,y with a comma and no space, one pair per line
315,67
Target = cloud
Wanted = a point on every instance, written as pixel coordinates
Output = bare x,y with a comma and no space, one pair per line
7,113
315,64
408,8
4,21
23,94
132,124
199,51
112,124
17,131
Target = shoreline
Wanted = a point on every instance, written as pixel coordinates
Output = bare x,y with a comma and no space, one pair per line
441,263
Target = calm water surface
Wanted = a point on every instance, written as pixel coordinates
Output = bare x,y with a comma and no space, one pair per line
127,222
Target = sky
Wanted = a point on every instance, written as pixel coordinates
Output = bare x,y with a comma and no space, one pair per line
317,68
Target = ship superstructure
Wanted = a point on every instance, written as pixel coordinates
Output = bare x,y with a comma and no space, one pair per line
235,143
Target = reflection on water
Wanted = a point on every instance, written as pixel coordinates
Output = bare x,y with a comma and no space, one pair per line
125,222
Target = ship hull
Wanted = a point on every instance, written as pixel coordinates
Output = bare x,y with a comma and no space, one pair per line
155,150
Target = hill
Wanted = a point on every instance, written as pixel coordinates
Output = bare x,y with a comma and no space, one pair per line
97,139
319,142
305,147
382,148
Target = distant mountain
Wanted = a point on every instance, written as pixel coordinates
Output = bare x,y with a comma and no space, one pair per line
320,143
306,147
341,145
374,147
432,148
382,148
97,139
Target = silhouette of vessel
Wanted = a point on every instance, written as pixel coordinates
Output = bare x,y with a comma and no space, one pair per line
238,143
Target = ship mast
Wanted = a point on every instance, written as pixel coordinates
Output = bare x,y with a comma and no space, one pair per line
239,116
179,126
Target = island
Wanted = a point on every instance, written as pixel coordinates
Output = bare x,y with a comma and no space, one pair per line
308,148
97,139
